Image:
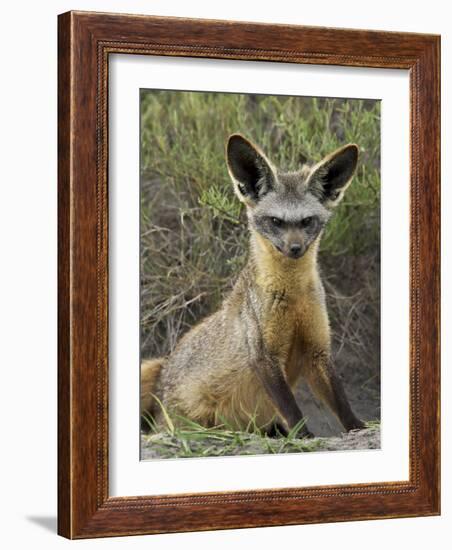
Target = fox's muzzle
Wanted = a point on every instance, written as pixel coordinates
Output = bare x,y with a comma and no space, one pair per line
293,250
296,250
294,245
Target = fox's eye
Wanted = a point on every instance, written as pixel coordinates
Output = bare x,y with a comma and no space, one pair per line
306,222
276,221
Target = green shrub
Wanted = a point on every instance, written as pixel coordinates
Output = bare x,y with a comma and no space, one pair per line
193,229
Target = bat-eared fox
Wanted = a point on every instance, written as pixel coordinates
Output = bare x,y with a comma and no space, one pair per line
244,361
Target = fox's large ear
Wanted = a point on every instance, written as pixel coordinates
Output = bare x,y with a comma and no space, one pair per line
251,172
331,176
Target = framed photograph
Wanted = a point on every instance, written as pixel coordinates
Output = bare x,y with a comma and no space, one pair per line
248,275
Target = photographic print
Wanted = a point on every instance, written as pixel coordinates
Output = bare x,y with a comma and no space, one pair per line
260,274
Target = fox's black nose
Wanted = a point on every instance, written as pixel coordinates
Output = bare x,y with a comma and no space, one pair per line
295,249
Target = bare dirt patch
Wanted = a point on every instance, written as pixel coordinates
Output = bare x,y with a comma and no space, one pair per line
164,445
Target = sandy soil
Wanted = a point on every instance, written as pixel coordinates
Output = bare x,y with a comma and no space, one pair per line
167,446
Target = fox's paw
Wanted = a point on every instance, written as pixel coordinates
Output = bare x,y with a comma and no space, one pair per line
305,433
357,424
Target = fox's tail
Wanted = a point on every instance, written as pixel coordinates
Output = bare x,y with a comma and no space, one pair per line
150,372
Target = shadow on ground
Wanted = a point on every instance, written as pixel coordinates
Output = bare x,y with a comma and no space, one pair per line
49,523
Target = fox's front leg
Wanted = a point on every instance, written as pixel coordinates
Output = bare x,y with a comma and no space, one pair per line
267,354
317,367
272,377
327,385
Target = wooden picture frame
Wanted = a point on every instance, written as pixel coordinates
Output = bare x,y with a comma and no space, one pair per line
85,42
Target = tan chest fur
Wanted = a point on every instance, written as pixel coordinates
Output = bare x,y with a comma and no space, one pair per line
294,317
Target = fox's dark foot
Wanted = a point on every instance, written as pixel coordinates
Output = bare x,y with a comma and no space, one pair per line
305,433
356,424
302,432
144,425
276,430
